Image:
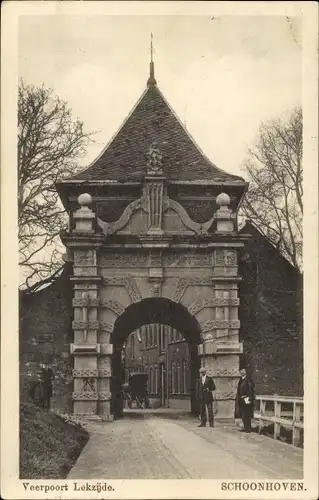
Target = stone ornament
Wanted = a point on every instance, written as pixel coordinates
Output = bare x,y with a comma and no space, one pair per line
156,289
227,372
155,160
114,227
225,257
106,327
155,258
200,304
208,336
105,396
86,302
104,373
84,257
124,259
84,216
85,286
230,258
195,227
85,349
85,200
91,373
85,396
85,373
183,283
225,395
223,200
82,325
236,348
129,283
178,259
113,305
220,324
85,271
155,202
89,384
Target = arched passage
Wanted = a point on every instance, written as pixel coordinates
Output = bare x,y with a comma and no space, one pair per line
161,311
156,310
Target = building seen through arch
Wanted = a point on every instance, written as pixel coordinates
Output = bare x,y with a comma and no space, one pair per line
160,338
170,362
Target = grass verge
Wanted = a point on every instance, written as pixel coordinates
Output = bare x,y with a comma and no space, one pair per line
49,446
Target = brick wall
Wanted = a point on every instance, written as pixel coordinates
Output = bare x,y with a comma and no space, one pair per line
45,330
271,318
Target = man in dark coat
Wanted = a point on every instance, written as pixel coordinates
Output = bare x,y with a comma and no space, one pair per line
47,378
245,398
204,390
36,391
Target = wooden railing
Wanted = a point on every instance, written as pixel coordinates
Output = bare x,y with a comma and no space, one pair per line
282,412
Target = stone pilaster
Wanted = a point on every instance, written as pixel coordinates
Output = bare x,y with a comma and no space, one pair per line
221,347
91,345
85,348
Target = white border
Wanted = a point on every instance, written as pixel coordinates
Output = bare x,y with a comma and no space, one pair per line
11,486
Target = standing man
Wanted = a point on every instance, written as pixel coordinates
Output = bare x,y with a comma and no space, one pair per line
244,407
47,378
204,389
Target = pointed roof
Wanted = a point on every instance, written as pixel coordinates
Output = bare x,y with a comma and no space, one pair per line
153,120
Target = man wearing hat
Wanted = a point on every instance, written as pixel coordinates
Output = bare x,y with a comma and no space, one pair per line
47,377
244,407
205,387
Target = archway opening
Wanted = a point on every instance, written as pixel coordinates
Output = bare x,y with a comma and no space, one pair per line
158,337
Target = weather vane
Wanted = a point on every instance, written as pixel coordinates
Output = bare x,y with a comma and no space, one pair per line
151,81
152,48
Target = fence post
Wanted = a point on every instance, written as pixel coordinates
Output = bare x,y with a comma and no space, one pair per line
277,415
262,411
296,420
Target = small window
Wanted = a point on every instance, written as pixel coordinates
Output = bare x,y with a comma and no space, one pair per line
165,334
171,334
162,333
150,335
178,379
184,386
153,334
156,380
173,378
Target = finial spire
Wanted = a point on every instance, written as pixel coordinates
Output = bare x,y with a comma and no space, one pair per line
152,49
151,80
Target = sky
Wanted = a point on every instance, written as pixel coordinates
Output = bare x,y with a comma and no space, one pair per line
223,76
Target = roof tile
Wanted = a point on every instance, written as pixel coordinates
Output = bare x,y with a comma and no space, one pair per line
152,120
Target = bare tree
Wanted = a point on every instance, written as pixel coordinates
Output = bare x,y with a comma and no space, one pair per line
274,202
50,144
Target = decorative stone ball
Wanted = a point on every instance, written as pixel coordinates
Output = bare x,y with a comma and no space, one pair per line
223,200
85,199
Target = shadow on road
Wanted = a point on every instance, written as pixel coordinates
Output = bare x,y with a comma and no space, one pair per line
158,413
